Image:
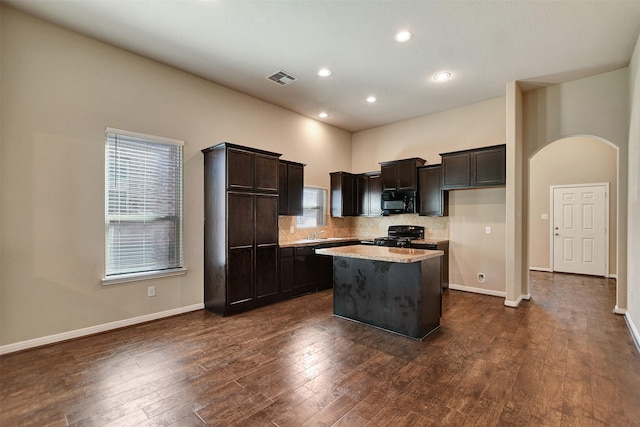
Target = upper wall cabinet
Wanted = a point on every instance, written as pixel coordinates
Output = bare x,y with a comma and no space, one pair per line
251,170
480,167
355,194
433,200
291,183
370,194
344,194
400,175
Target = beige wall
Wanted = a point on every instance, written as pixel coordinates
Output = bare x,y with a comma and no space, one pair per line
475,125
472,251
59,92
633,249
470,211
593,106
574,160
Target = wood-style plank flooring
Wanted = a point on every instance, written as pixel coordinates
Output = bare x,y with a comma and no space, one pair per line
561,359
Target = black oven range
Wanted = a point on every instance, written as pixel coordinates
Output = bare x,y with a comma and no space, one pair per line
400,236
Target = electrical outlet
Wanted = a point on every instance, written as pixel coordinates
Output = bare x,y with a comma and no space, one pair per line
481,278
487,230
544,216
151,291
292,229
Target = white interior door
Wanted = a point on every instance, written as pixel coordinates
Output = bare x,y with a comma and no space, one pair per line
580,238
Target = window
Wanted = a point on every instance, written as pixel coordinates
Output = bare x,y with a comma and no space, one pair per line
143,212
314,202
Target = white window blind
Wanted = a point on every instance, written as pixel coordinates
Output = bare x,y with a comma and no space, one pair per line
314,206
143,218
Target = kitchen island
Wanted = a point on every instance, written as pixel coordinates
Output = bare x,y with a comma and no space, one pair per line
395,289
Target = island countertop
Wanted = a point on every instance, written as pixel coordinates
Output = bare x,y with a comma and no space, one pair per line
381,253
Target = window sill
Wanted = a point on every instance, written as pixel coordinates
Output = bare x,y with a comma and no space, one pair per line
135,277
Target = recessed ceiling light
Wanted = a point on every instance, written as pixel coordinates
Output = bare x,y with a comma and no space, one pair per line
372,99
403,36
323,115
442,76
324,72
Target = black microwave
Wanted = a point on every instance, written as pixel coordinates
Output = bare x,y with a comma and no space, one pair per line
395,202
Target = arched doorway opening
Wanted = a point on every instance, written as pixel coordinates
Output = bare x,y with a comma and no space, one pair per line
572,160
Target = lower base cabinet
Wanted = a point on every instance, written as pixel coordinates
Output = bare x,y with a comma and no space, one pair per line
444,268
303,272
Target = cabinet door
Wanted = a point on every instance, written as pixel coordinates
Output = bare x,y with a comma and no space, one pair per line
266,271
239,276
389,176
432,197
266,173
240,220
295,189
286,270
361,199
349,195
240,170
283,189
489,167
456,170
406,172
375,195
266,223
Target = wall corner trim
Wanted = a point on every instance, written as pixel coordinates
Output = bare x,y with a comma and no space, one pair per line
78,333
618,310
633,330
516,303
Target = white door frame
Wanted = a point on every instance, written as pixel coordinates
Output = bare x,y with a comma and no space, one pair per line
606,222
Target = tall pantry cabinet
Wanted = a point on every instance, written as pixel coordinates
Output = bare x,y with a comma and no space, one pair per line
241,228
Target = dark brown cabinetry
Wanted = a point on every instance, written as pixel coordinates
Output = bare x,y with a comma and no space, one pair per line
303,272
291,184
369,194
344,194
241,228
355,194
444,266
432,200
481,167
400,175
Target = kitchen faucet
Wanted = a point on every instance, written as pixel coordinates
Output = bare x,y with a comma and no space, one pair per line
314,235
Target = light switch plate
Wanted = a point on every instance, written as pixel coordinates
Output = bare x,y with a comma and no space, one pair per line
544,216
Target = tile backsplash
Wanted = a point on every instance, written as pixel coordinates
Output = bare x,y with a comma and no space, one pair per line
435,227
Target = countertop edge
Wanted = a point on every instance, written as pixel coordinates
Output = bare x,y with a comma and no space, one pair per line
381,253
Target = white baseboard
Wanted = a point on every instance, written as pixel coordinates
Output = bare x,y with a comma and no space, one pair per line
37,342
634,331
545,269
618,310
477,290
516,303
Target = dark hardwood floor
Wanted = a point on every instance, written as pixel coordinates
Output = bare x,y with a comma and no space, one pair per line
561,359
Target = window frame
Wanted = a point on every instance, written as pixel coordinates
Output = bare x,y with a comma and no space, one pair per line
115,278
324,208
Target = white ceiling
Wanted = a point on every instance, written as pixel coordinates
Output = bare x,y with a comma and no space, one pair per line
485,44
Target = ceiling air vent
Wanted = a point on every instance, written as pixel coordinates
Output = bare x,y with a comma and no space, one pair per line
282,78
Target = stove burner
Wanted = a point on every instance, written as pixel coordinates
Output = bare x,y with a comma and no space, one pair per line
392,241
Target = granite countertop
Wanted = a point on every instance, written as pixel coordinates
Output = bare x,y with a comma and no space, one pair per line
429,241
312,242
381,253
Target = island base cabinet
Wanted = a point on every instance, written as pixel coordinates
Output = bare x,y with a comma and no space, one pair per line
404,298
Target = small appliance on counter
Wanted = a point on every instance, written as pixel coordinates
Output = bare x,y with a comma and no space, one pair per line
400,236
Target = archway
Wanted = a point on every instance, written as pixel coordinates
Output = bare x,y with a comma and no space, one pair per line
577,159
